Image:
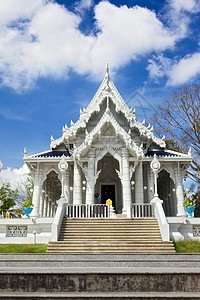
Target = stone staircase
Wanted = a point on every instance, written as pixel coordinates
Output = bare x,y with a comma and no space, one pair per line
104,236
99,276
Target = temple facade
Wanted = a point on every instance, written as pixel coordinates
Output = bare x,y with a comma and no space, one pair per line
107,154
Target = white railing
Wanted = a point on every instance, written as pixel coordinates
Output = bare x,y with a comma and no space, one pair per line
60,212
141,210
88,211
160,216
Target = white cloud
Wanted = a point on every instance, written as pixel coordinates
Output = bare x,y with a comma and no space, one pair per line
183,5
178,71
159,66
14,176
184,70
83,5
42,38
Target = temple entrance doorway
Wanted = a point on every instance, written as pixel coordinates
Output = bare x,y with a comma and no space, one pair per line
108,184
108,192
166,192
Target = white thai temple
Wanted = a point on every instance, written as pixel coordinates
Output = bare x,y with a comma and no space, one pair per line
107,154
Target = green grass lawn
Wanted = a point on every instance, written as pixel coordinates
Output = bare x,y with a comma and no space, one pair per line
187,246
23,248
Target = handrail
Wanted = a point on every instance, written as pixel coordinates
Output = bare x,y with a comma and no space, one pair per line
87,211
60,212
141,210
162,220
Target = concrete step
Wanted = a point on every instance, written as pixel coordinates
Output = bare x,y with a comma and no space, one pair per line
103,249
113,242
106,246
106,296
117,231
129,262
110,224
108,219
96,233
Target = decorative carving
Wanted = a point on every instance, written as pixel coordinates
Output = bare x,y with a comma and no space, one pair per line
196,230
16,231
63,165
107,90
97,175
22,230
119,174
155,165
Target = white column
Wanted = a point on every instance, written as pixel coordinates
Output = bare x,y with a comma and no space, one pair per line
179,194
126,186
45,206
139,188
36,192
66,189
150,184
77,191
90,178
48,207
41,205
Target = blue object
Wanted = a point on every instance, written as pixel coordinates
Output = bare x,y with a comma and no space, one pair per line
27,211
190,211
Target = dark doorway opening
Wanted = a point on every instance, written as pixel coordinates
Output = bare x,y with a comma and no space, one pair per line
108,192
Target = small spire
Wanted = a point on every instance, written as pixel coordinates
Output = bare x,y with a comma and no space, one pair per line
25,152
107,78
107,68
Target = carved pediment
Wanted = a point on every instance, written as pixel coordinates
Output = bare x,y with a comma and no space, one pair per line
109,132
107,98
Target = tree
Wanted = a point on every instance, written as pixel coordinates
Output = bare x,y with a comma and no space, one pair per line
8,197
179,120
26,189
12,199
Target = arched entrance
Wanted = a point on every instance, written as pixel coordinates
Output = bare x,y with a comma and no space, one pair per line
51,192
108,185
166,192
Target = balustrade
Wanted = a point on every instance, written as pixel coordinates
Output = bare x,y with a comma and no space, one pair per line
141,210
88,211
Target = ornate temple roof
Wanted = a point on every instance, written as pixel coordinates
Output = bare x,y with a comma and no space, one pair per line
107,89
81,135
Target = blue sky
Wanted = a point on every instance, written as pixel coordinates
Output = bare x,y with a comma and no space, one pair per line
53,57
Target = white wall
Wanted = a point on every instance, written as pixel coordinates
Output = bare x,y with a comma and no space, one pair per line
42,227
184,228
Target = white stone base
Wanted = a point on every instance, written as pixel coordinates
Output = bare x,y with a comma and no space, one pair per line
41,227
182,228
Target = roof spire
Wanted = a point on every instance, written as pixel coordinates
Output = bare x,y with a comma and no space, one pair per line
107,68
107,77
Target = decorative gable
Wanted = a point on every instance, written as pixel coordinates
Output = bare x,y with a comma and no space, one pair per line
107,107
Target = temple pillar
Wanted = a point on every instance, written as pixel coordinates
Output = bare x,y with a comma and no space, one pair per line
179,194
90,177
126,186
45,206
41,204
66,189
77,190
48,207
139,188
36,192
150,184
